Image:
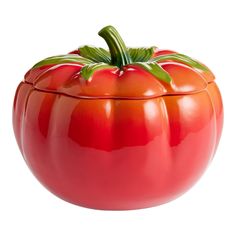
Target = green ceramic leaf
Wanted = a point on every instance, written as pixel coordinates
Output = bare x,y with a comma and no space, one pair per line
155,69
141,54
95,54
88,70
181,58
69,58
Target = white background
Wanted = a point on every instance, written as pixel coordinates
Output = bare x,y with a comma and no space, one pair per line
33,30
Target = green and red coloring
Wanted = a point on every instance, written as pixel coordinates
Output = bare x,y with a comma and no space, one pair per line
119,56
123,128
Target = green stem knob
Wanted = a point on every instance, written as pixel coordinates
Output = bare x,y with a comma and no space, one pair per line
119,53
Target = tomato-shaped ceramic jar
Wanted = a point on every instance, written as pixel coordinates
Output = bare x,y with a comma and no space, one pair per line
116,129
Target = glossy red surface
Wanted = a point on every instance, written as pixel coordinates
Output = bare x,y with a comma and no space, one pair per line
121,140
